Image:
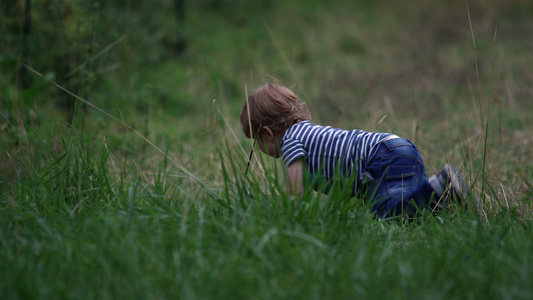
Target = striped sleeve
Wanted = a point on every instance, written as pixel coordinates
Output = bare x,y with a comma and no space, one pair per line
292,149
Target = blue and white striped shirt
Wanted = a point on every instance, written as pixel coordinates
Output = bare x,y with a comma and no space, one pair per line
334,153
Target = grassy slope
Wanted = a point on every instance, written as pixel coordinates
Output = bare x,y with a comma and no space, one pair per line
86,217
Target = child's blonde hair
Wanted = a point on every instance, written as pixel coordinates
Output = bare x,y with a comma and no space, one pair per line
273,106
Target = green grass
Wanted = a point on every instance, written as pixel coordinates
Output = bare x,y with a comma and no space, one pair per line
156,240
94,212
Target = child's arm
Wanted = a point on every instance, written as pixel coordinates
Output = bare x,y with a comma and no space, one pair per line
295,178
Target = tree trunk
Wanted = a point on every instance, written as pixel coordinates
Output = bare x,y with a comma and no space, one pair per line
179,9
24,76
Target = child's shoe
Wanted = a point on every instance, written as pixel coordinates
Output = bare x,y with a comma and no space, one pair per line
449,180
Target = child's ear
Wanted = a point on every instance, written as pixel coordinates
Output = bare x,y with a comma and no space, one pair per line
267,132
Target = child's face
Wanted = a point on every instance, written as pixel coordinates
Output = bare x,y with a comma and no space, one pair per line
270,145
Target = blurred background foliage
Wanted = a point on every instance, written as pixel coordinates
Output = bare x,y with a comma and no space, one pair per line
158,65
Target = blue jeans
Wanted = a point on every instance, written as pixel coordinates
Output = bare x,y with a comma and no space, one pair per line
397,183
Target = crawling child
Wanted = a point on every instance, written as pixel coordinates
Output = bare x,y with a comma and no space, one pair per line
388,169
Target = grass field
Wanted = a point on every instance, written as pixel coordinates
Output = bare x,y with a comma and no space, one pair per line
94,211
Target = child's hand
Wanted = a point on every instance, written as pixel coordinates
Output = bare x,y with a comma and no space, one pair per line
295,178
